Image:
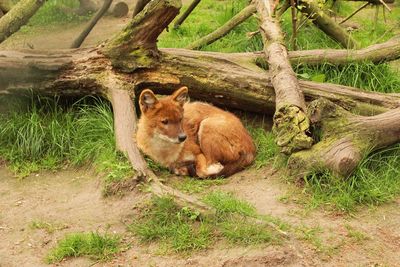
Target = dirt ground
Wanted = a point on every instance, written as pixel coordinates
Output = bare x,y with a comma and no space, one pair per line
71,200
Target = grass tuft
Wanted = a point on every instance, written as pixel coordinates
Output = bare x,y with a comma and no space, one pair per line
184,230
164,221
50,135
94,245
375,181
226,203
267,149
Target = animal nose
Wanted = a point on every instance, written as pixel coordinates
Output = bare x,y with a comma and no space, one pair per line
182,137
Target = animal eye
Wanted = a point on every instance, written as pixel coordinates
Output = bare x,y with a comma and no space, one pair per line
165,121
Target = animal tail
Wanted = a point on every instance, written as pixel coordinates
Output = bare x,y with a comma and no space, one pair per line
245,159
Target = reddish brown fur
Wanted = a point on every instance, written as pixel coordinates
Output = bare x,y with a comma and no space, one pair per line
217,143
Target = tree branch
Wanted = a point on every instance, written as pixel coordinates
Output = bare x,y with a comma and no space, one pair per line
290,121
135,46
17,17
224,29
327,25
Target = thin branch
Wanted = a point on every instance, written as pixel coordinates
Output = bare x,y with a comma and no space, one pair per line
79,40
189,10
224,29
355,12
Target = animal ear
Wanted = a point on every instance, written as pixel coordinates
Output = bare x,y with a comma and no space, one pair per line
181,95
147,100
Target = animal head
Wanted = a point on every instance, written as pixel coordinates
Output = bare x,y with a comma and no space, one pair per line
164,116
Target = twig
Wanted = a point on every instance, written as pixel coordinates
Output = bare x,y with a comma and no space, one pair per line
189,10
385,5
355,12
78,41
294,23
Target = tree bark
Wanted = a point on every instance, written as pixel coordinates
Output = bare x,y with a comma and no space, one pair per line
6,5
140,4
18,16
377,53
290,121
135,46
346,139
240,17
220,78
327,25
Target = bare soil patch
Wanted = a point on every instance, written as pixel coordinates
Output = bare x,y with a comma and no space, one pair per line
71,201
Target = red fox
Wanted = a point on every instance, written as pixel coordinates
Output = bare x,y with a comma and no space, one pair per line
194,139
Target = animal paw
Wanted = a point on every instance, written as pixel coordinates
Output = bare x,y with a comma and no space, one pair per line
183,171
214,168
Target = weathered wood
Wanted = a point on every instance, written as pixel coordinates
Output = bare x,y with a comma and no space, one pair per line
290,122
327,24
135,46
18,16
184,16
377,53
140,4
345,139
220,78
240,17
6,5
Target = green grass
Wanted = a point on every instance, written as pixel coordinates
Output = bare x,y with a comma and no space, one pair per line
177,227
93,245
207,17
267,149
368,76
243,232
55,12
194,185
375,181
226,203
50,135
184,230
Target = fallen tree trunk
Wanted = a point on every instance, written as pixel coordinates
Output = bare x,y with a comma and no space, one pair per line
240,17
346,139
290,121
377,53
214,77
17,17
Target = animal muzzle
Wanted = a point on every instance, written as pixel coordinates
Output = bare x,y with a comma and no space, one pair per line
182,137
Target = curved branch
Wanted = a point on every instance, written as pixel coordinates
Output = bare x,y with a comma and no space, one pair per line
327,25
